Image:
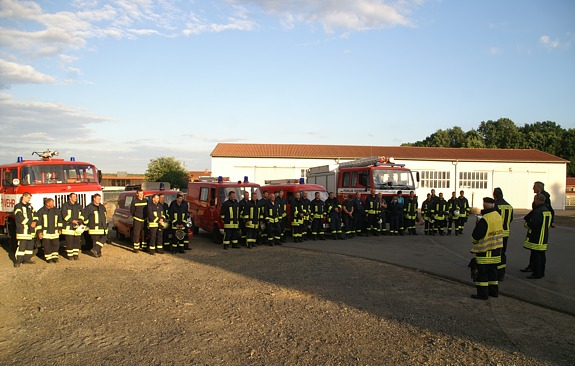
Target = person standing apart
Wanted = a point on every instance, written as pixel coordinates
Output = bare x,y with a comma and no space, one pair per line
26,222
538,222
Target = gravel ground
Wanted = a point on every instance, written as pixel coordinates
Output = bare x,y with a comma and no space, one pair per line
269,305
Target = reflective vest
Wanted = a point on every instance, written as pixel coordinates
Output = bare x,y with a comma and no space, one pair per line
486,247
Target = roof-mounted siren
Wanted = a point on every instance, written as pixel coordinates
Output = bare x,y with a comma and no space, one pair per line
246,179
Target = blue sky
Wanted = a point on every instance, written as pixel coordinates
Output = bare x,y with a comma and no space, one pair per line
118,83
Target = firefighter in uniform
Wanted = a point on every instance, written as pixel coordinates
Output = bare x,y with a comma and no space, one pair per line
26,222
166,227
440,212
95,218
463,211
382,213
282,203
454,212
49,228
155,218
395,212
306,226
333,210
138,209
71,215
410,213
506,212
358,214
243,216
347,207
252,220
425,213
178,213
487,238
538,222
230,214
297,218
372,210
317,213
262,203
272,217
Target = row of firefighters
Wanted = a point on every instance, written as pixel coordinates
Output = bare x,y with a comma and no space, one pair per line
254,221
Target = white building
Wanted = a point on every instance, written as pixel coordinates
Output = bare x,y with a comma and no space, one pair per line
476,171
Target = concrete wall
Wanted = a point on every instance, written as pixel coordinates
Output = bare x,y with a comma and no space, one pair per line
515,179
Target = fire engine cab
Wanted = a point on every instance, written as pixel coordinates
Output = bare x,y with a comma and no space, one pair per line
362,175
44,178
205,199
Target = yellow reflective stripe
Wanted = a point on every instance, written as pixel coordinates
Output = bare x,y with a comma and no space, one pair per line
141,204
138,219
68,216
534,246
482,284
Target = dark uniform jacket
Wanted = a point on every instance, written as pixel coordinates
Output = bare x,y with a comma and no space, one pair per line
95,218
317,208
358,206
70,212
178,213
506,212
372,204
24,215
230,214
49,222
251,214
155,212
538,222
138,209
410,207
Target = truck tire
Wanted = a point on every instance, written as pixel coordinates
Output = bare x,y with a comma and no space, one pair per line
216,235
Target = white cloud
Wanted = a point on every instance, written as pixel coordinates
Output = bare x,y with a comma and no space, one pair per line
14,73
548,43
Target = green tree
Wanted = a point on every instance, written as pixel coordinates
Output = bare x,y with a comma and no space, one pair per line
473,140
167,169
501,134
545,136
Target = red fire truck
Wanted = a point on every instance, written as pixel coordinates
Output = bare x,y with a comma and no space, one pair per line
44,178
362,175
205,200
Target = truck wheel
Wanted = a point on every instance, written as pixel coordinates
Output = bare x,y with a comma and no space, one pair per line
216,235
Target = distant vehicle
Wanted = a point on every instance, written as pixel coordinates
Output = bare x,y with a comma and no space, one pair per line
205,200
122,219
290,187
361,175
46,177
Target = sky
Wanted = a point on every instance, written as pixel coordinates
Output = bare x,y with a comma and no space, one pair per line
120,82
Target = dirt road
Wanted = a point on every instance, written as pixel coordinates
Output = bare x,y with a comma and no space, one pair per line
269,305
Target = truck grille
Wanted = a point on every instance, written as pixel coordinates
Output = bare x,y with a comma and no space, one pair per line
60,199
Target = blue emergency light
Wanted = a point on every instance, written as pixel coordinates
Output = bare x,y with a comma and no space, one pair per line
72,158
246,179
20,159
302,180
220,179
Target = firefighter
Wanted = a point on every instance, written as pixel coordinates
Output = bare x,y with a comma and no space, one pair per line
71,215
401,203
297,218
454,212
440,212
317,213
230,214
425,213
26,221
282,203
138,209
262,203
95,218
49,228
410,213
463,211
272,217
333,210
358,214
432,206
155,217
395,213
538,221
372,209
487,239
165,229
243,213
382,213
178,213
539,188
506,212
347,207
252,220
306,227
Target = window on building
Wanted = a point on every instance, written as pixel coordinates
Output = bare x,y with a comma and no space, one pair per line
476,180
435,179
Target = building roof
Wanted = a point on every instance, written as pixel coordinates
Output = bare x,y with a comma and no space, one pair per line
398,152
571,181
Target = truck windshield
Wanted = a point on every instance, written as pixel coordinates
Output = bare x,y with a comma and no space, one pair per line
224,192
58,174
392,179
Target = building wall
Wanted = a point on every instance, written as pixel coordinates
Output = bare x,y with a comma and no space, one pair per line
477,179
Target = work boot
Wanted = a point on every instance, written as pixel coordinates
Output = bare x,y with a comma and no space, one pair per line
28,261
16,265
226,246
